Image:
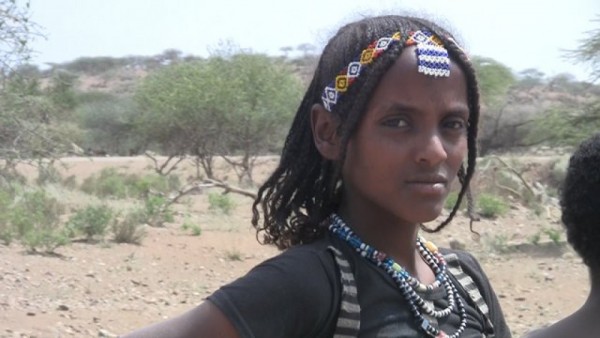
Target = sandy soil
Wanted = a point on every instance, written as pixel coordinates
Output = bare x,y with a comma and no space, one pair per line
107,289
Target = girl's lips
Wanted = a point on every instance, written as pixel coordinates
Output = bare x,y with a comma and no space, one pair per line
429,179
428,188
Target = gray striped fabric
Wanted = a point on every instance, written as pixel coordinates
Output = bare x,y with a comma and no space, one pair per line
348,323
470,287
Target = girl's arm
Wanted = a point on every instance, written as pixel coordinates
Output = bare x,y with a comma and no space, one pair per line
205,320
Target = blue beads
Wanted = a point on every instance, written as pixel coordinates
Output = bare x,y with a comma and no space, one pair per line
405,282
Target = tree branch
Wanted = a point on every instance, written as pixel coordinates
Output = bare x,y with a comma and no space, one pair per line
209,183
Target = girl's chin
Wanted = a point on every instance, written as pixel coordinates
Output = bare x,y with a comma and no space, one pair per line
428,216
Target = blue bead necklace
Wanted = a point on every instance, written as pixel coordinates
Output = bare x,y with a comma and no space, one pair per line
408,284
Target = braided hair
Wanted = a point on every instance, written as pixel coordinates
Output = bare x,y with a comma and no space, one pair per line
305,188
580,204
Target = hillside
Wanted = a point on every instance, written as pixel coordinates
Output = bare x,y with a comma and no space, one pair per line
511,106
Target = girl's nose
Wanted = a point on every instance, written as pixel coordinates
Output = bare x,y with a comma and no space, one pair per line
431,151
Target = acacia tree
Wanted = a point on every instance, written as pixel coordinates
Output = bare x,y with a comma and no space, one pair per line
572,122
27,132
530,78
264,94
16,33
225,105
588,51
179,114
108,123
565,125
495,82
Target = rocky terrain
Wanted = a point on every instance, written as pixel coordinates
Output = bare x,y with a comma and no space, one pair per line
106,289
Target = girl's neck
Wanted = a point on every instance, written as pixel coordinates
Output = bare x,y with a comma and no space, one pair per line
392,236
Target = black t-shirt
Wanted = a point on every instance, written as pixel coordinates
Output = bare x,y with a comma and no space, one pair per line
298,292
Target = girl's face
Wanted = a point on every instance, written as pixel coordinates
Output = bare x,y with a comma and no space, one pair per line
409,146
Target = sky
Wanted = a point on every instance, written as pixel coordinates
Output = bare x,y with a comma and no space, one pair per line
521,34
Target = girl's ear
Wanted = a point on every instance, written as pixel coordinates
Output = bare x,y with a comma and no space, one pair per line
324,128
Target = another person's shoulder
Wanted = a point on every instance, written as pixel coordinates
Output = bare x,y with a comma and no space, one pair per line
537,333
550,332
580,324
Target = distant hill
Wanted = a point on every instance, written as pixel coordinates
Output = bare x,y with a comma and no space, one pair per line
504,126
120,75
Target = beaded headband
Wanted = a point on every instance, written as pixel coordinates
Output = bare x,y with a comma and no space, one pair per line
432,59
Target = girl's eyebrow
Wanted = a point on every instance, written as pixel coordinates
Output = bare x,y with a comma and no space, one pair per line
399,107
460,109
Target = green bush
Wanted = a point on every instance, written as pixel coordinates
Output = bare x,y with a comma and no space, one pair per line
111,183
511,183
35,217
490,206
10,178
130,229
535,238
499,243
451,200
70,182
220,202
156,214
92,221
45,237
33,208
142,186
558,172
233,255
6,233
6,228
553,234
48,174
195,228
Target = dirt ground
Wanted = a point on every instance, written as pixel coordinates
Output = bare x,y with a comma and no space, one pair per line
107,289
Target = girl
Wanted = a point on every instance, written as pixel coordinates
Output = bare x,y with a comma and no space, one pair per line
382,132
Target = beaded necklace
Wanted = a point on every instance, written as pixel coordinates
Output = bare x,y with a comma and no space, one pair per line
407,283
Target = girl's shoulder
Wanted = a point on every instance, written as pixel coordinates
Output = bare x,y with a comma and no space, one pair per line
313,255
469,274
292,266
465,259
283,287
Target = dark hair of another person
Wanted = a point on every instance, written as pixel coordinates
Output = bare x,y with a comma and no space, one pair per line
580,201
305,188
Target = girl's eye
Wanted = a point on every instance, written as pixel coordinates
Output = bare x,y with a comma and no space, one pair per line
397,122
455,124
